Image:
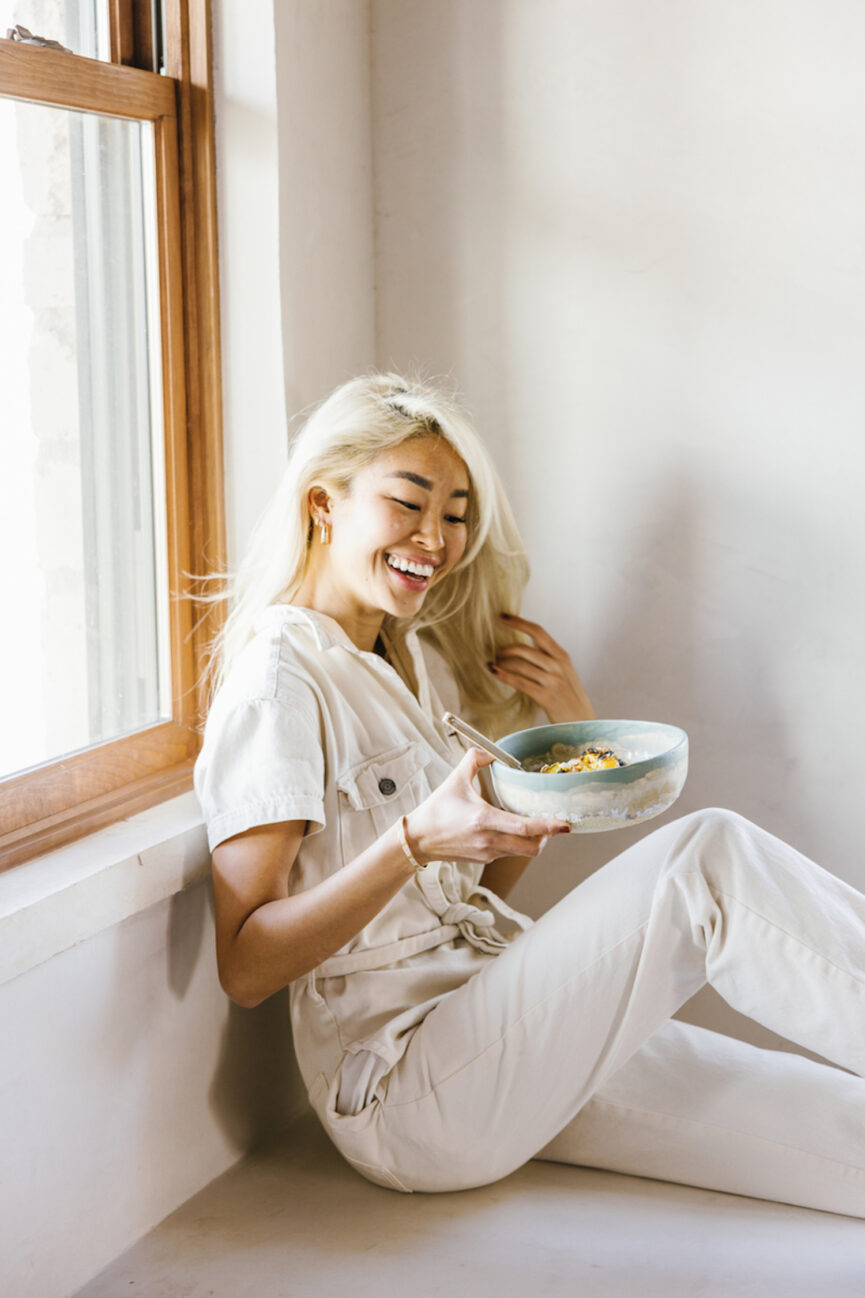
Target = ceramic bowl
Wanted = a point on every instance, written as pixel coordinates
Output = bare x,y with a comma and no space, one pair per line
656,758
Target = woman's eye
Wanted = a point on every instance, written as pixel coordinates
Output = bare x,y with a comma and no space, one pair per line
409,504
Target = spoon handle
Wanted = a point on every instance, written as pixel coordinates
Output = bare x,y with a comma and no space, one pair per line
481,740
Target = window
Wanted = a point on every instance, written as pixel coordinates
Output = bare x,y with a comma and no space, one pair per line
110,455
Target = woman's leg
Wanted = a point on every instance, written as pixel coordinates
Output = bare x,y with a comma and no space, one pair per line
704,1109
504,1063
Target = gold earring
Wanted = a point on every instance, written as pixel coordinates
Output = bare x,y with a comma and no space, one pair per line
325,532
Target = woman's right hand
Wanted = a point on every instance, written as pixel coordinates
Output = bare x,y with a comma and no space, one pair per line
455,822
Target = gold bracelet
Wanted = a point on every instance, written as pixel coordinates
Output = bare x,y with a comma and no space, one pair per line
403,840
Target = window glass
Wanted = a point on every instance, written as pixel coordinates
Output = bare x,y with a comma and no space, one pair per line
83,652
79,25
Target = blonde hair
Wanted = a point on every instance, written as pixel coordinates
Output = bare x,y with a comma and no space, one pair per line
359,421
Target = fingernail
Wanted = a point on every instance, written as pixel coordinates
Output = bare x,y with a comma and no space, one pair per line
491,667
506,615
563,829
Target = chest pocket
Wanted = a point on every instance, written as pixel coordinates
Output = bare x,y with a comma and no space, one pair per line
386,787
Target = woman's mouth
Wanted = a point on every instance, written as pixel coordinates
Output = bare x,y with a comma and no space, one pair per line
410,573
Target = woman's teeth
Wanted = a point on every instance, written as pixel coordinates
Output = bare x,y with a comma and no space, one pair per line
424,570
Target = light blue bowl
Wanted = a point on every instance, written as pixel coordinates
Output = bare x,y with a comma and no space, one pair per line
593,801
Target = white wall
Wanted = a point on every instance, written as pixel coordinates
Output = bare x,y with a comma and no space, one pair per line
634,233
325,195
294,145
126,1084
247,176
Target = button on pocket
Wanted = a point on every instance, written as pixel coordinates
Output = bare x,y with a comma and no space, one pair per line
386,785
375,781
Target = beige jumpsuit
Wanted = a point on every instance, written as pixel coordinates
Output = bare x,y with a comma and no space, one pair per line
453,1039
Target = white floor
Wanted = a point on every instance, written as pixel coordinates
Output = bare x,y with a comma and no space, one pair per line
295,1222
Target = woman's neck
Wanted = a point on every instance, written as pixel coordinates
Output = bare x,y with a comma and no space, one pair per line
361,625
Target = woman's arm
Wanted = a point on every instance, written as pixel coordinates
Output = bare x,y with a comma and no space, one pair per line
266,938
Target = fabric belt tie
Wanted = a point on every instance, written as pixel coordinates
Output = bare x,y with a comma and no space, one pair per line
443,886
378,957
458,918
462,912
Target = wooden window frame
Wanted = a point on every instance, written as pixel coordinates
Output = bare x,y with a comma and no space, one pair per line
63,800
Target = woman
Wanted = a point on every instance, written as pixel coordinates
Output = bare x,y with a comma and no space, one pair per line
443,1037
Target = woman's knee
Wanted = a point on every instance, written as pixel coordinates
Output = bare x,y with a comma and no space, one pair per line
712,842
715,826
714,820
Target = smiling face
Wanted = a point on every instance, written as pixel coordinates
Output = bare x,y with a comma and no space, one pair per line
398,530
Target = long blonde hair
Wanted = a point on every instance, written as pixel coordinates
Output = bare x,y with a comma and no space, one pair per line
359,421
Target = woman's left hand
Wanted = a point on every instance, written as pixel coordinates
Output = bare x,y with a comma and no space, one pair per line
544,671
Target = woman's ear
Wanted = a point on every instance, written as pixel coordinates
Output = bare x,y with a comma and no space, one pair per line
319,505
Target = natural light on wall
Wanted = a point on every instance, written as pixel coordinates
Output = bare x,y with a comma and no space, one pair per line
82,513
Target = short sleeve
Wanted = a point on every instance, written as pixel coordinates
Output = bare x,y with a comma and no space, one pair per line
261,763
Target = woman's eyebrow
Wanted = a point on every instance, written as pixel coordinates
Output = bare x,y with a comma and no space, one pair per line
422,482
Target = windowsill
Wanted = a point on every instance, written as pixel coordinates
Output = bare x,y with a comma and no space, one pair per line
66,896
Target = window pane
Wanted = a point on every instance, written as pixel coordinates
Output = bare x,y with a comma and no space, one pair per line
83,651
80,25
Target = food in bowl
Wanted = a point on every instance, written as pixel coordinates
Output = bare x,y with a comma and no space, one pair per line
647,778
564,757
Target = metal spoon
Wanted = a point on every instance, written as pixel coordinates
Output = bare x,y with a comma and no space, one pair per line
481,740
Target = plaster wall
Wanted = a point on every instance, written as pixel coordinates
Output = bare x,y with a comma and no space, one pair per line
130,1084
325,196
633,236
294,142
247,178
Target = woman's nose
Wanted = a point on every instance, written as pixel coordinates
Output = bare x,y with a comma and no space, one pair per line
430,531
